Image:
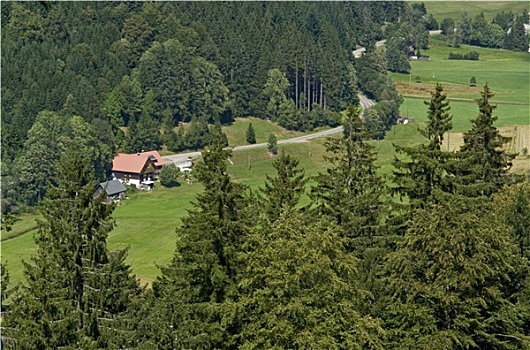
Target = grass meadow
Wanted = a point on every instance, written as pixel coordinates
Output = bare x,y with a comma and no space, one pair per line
146,222
454,8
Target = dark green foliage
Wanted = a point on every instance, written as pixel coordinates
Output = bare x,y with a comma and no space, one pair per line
47,139
505,30
251,135
483,166
272,144
473,81
184,84
447,281
350,193
472,55
169,175
447,26
4,282
300,289
396,56
282,193
194,295
517,38
420,176
76,293
144,135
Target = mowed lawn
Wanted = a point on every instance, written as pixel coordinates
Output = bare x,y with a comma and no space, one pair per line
237,132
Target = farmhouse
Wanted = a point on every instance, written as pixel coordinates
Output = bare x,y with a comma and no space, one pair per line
114,190
139,169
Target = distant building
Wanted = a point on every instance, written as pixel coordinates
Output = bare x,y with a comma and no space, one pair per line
404,120
184,166
114,190
140,169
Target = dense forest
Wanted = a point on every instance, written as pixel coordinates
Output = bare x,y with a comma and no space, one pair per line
434,256
127,75
447,268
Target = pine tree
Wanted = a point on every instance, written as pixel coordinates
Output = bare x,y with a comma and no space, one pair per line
482,166
77,293
447,282
194,295
251,135
422,178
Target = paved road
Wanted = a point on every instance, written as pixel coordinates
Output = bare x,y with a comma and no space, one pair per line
359,52
182,157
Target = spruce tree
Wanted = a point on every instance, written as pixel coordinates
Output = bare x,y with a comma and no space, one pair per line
193,296
300,289
272,144
283,192
420,175
251,135
482,165
76,292
350,192
447,282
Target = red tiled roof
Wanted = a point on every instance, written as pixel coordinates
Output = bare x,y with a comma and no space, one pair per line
158,161
134,163
129,163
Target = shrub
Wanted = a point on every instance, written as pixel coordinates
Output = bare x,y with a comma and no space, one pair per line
169,175
272,145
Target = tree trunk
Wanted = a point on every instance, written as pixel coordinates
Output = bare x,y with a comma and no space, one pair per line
321,94
296,87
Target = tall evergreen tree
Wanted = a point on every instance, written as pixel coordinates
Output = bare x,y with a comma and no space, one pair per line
447,282
482,166
421,177
350,192
77,293
300,289
283,192
194,295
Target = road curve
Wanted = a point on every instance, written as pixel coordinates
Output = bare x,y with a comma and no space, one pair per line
182,157
358,53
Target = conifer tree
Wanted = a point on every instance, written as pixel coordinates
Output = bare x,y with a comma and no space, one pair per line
283,192
300,289
482,165
350,192
272,144
76,293
193,296
447,281
421,178
251,135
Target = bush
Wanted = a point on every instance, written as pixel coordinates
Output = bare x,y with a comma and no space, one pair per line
471,55
169,175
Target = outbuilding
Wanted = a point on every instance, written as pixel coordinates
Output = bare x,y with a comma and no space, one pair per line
114,190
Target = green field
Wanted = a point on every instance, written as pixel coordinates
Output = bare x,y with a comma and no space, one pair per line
505,72
454,9
237,132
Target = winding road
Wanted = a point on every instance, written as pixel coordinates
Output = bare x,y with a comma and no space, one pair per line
183,157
